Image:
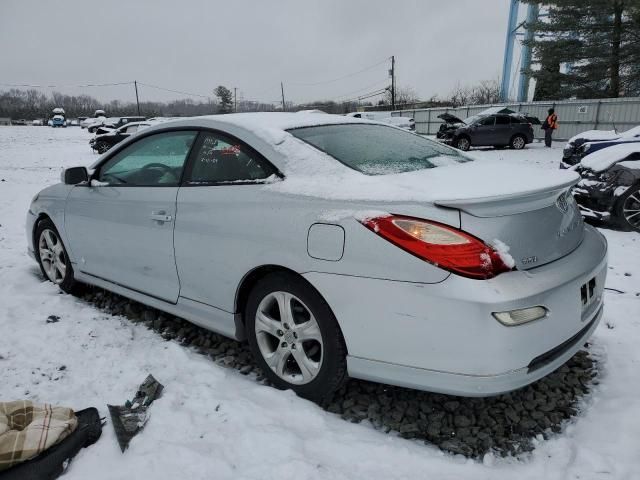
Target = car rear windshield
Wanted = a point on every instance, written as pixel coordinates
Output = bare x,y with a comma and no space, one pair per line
378,149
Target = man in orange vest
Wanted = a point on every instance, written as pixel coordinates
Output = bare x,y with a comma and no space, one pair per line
549,125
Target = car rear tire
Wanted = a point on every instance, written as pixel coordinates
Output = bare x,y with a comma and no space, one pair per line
294,337
628,210
518,142
463,143
52,256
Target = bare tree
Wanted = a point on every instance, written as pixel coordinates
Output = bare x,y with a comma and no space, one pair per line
404,96
485,92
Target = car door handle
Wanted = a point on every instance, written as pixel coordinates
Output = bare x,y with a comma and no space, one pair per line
161,217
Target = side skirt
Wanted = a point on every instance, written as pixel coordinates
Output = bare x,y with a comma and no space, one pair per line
200,314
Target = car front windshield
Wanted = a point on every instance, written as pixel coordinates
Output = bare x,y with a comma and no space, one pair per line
377,149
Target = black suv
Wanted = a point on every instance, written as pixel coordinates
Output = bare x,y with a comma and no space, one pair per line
494,130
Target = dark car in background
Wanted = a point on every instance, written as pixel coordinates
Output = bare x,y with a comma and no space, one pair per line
112,123
102,143
591,141
494,130
609,190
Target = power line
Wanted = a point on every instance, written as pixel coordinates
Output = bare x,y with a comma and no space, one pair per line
65,86
174,91
339,78
364,96
361,89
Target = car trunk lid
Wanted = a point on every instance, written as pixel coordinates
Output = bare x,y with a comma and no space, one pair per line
534,227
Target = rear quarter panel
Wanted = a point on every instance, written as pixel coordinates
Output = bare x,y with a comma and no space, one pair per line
224,232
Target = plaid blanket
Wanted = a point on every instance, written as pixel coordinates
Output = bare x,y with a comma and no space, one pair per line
27,429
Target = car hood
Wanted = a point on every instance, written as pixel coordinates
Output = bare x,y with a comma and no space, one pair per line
593,136
603,159
449,118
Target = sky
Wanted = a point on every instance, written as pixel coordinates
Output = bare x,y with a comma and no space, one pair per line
319,49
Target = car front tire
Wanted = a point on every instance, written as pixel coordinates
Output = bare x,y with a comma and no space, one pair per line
463,143
52,256
102,147
294,337
628,209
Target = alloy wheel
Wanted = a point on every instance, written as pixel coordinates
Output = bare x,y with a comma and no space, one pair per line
289,338
464,144
52,256
631,209
518,143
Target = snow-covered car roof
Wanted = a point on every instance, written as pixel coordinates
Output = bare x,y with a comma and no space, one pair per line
493,110
605,158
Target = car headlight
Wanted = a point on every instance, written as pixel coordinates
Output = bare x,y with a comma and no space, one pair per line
608,176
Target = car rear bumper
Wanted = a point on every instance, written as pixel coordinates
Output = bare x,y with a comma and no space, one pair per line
471,385
442,337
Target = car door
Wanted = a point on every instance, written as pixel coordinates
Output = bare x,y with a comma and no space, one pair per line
503,130
120,226
217,230
483,132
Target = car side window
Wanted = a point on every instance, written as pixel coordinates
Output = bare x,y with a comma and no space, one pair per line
502,120
487,121
156,160
132,128
222,159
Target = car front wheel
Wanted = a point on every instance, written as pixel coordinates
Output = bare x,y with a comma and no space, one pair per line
463,143
102,147
629,209
295,337
52,256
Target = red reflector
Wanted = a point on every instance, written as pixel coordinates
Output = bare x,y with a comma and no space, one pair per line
442,245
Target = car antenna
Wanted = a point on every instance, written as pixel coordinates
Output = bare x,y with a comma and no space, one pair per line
613,122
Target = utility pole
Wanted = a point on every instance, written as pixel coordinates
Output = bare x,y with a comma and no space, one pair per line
235,101
393,82
284,109
135,84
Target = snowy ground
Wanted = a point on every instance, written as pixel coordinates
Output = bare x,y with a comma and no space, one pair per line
215,423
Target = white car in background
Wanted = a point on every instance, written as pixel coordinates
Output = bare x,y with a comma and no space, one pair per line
407,123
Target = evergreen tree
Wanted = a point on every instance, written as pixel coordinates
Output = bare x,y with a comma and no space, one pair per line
596,42
225,97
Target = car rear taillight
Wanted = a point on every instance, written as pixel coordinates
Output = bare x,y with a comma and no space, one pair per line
442,245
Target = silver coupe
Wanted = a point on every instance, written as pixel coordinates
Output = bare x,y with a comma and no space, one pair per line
336,247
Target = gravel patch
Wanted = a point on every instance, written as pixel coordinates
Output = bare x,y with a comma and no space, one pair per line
506,425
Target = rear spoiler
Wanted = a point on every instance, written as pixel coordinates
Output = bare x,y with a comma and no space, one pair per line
510,204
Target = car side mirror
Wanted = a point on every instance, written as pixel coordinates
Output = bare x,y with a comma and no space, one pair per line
75,175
